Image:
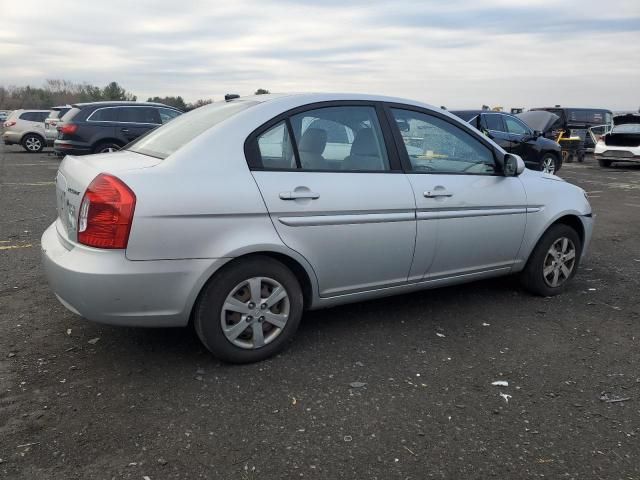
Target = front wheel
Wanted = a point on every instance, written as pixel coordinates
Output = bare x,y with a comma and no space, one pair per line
249,311
33,143
549,164
553,262
604,163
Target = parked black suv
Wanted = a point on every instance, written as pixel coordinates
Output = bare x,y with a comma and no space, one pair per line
577,121
107,126
515,136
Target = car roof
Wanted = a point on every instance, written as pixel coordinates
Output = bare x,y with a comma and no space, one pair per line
311,97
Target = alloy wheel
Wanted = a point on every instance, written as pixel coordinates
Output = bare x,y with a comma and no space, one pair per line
559,262
255,312
33,144
549,165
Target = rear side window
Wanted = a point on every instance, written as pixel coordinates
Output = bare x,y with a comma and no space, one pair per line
104,115
276,150
347,138
168,138
138,115
34,116
167,114
70,114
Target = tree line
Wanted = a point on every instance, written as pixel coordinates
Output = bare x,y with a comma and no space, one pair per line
63,92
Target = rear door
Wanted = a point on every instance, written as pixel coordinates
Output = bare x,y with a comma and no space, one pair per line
479,215
344,204
135,121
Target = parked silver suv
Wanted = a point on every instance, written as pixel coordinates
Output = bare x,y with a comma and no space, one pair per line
26,128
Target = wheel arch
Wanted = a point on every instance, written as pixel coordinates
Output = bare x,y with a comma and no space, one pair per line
571,219
297,264
106,140
32,132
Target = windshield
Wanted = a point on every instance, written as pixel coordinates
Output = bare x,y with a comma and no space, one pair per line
165,140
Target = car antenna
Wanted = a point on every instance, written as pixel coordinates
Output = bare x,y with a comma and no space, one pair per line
230,96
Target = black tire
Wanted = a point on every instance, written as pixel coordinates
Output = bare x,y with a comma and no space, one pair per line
605,163
33,143
105,147
532,277
549,157
208,311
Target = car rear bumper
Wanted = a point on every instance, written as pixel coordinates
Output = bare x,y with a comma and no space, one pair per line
71,147
618,158
11,138
104,286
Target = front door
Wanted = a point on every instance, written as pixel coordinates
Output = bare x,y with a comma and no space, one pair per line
336,197
478,213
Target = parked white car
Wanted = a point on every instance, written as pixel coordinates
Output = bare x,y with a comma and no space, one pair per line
622,143
238,217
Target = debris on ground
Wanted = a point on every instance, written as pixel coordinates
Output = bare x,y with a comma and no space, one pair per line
485,324
608,397
441,335
93,341
357,384
500,383
506,396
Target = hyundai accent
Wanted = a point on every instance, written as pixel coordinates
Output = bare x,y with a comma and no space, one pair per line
240,215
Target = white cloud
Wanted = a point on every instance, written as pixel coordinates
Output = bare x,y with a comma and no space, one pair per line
455,53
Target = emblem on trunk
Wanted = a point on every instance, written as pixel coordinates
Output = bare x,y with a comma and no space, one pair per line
71,190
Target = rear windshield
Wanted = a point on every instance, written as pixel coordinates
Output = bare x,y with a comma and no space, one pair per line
165,140
70,114
627,128
58,112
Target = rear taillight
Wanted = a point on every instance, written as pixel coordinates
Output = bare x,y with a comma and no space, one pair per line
106,213
9,124
68,128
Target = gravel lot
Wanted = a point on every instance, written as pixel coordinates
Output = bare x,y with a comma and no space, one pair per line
398,388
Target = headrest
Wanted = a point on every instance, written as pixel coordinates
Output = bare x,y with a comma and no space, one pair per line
313,141
365,143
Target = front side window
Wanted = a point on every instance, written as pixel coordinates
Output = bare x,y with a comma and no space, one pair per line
276,151
345,138
437,146
493,122
516,126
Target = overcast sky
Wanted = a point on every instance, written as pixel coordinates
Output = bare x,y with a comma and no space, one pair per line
454,53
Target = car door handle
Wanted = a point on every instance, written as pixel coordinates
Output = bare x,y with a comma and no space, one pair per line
124,130
295,195
437,193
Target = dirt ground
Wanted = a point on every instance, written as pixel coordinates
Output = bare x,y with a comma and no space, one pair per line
80,400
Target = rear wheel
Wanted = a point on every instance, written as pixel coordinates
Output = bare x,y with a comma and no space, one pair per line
548,163
604,163
249,311
106,147
33,143
553,262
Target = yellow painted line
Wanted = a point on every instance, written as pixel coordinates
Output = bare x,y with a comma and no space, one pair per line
11,247
37,184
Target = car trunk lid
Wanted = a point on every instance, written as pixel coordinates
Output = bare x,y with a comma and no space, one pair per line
76,173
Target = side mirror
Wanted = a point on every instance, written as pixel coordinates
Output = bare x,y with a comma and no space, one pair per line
537,133
512,165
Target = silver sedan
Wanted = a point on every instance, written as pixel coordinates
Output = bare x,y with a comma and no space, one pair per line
238,216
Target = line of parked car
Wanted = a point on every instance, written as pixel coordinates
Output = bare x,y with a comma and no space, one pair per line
536,135
84,128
